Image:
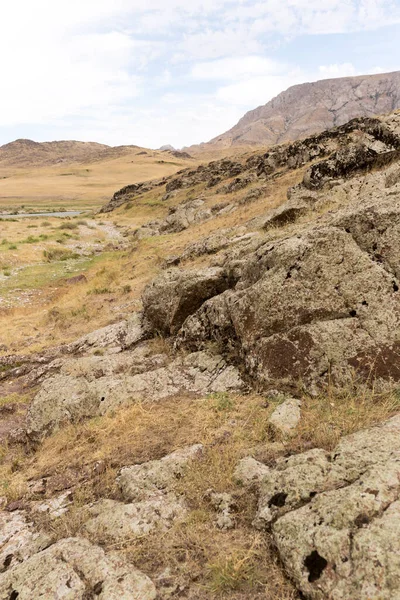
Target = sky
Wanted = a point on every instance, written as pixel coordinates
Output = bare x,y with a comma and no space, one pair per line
175,72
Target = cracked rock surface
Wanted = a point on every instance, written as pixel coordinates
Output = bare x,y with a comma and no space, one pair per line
90,386
75,569
335,516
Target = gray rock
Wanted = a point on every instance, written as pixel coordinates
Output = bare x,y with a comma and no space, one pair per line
116,337
18,539
74,569
224,505
176,294
86,392
140,482
286,416
117,521
148,488
335,516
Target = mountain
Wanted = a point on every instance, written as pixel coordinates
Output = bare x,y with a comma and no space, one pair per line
24,152
313,107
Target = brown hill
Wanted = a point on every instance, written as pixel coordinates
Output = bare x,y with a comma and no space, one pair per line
26,153
311,108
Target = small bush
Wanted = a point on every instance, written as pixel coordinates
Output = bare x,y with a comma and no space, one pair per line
12,247
98,290
59,254
68,226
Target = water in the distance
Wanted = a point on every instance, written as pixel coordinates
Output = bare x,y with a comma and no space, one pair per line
68,213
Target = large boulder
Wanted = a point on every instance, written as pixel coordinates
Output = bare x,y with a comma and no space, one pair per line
176,294
309,307
335,515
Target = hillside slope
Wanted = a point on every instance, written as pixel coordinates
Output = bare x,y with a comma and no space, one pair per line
211,409
310,108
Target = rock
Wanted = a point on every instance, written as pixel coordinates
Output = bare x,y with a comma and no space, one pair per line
287,416
75,569
18,539
249,471
223,504
152,503
211,174
116,338
54,507
306,307
141,482
116,521
184,215
335,516
176,294
65,398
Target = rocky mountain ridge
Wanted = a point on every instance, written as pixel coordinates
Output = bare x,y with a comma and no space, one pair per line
310,108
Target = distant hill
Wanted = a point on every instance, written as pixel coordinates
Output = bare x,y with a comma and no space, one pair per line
29,153
311,108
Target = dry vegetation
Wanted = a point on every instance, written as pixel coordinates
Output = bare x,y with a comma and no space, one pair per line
238,564
81,186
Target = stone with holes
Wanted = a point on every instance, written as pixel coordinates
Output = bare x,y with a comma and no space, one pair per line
335,517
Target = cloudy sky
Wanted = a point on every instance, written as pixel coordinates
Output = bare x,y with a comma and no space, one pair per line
175,71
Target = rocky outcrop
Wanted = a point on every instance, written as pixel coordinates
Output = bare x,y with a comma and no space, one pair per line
303,308
87,387
76,569
19,539
334,515
130,192
181,217
176,294
211,174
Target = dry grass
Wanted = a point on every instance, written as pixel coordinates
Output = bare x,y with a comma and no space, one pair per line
81,186
237,564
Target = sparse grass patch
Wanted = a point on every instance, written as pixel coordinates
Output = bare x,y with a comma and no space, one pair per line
68,225
59,254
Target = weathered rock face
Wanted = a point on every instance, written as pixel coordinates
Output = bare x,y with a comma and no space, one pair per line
181,217
149,491
140,482
75,569
176,294
334,516
303,307
86,387
18,539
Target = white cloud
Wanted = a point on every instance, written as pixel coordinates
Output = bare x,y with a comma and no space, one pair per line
171,70
337,70
235,68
